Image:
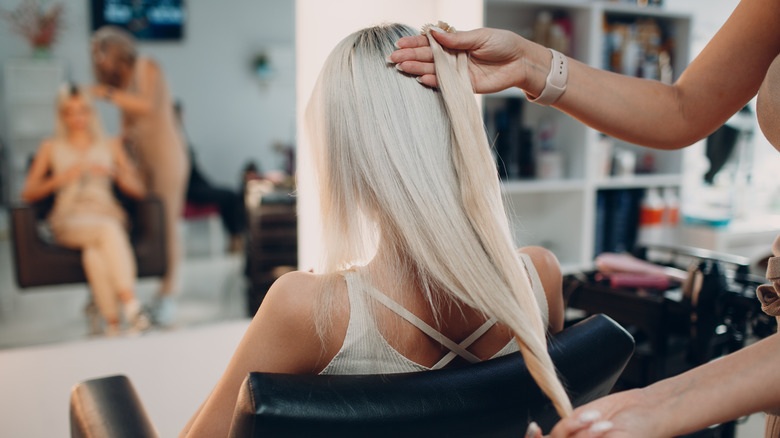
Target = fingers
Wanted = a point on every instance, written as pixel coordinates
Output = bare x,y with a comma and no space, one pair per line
428,80
411,42
421,54
584,425
416,68
468,40
533,431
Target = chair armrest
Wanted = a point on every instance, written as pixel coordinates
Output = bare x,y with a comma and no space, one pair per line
27,242
108,407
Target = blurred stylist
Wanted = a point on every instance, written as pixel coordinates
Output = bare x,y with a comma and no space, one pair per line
721,80
137,86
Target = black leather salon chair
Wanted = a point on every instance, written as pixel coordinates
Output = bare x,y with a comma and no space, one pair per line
41,262
495,398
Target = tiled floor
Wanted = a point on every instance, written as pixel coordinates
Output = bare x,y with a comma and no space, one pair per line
212,289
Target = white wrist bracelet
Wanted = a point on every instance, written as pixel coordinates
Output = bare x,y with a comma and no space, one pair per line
556,81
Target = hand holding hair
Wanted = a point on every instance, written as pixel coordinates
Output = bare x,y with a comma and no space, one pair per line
498,59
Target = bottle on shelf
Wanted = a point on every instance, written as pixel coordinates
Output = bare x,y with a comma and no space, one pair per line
550,159
651,218
671,217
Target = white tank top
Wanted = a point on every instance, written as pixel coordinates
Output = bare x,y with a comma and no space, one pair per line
359,353
90,194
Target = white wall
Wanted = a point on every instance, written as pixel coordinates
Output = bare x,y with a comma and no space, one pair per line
230,116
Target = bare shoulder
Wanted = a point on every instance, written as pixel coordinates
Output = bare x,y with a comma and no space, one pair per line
292,295
148,64
46,146
44,152
549,270
286,322
295,295
545,262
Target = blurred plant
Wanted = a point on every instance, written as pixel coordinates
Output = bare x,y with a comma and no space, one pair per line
40,25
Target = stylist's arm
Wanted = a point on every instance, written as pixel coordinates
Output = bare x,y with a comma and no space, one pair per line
720,81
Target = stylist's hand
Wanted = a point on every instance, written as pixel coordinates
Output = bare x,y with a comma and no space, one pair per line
101,91
498,59
628,414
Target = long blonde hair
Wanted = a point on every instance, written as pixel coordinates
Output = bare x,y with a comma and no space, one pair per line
69,91
412,166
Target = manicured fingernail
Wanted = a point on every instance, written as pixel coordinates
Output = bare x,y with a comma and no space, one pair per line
601,426
419,79
533,430
589,416
398,67
396,45
437,29
389,61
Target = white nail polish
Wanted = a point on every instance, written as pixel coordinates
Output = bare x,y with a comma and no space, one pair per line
419,79
396,45
601,426
437,29
398,67
389,61
589,416
533,430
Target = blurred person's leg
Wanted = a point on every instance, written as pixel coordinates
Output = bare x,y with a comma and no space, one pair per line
171,189
117,252
96,269
79,234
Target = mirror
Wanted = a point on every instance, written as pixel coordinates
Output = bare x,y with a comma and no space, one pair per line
232,68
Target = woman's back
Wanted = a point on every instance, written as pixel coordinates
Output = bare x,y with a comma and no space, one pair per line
384,336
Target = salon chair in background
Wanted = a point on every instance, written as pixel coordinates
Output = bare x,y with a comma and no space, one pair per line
39,261
495,398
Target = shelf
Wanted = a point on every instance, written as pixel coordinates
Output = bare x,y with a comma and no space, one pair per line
542,3
633,9
640,181
511,187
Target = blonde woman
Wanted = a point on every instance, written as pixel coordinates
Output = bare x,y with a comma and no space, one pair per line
419,270
137,86
79,165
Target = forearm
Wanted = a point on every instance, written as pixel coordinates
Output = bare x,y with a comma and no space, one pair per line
37,191
131,184
639,111
186,430
741,383
129,102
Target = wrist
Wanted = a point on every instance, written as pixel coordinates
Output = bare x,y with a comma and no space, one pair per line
662,406
536,62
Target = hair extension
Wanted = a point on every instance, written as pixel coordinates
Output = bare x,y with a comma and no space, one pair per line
409,167
481,195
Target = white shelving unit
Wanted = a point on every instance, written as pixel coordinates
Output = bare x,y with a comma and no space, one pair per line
560,214
30,91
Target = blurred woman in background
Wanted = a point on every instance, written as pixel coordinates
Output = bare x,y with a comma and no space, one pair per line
137,86
79,165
